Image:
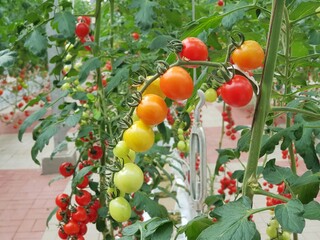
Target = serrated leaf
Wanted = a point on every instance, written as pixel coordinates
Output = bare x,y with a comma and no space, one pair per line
160,42
7,58
304,9
275,174
287,135
290,216
312,211
121,76
30,120
233,223
36,43
229,20
79,176
87,66
65,23
73,119
154,209
144,18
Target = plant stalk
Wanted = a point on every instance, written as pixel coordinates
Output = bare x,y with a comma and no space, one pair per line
263,102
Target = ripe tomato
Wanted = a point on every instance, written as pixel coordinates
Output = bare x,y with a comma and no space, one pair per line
153,88
71,228
237,92
62,200
135,35
95,152
84,198
82,29
84,183
248,56
92,214
176,83
129,179
59,214
139,137
85,19
120,209
80,215
152,109
62,234
66,169
83,229
193,49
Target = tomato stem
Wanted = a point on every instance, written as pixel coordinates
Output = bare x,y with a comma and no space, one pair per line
263,101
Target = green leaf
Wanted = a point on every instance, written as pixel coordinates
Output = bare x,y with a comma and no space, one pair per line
30,120
290,216
233,223
214,200
36,43
79,176
314,37
198,224
60,147
244,141
154,209
144,18
160,42
65,23
84,131
56,178
89,65
229,20
73,119
121,76
225,155
163,232
53,212
275,174
165,132
7,58
312,211
304,9
287,135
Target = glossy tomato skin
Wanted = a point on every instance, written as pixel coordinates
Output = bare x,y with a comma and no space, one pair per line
62,200
129,179
153,88
176,83
248,56
71,227
139,137
120,209
95,152
237,92
193,49
152,109
66,169
82,29
84,198
85,19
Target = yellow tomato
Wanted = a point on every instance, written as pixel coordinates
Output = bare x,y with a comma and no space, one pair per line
153,88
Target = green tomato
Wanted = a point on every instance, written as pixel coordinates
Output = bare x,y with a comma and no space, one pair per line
129,179
274,223
210,95
181,146
272,232
68,57
180,131
120,209
66,86
121,150
285,236
130,157
181,137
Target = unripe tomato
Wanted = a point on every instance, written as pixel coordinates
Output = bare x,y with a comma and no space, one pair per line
139,137
237,92
248,56
153,88
193,49
129,179
120,209
121,149
210,95
176,83
152,109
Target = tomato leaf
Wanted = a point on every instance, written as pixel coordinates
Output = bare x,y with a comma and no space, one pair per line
36,43
60,147
225,155
89,65
144,18
79,176
73,119
154,209
229,20
233,223
244,141
275,174
65,23
216,200
163,232
120,76
290,216
312,211
7,58
304,9
30,120
194,227
53,212
160,42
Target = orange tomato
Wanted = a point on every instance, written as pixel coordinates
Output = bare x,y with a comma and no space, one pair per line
176,83
152,109
248,56
153,88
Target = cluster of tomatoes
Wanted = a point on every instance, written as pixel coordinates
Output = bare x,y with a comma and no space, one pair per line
83,29
280,190
227,183
286,155
275,232
230,131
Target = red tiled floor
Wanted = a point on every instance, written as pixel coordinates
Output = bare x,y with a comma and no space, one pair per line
26,202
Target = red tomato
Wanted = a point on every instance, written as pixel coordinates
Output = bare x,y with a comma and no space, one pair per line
194,49
248,56
82,30
84,198
85,19
71,228
84,183
62,200
66,169
237,92
95,152
80,215
176,83
152,109
135,35
62,234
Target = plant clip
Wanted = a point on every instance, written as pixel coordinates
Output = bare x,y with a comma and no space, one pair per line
175,45
162,66
240,41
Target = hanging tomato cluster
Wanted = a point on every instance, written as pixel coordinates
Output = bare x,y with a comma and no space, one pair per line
83,29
